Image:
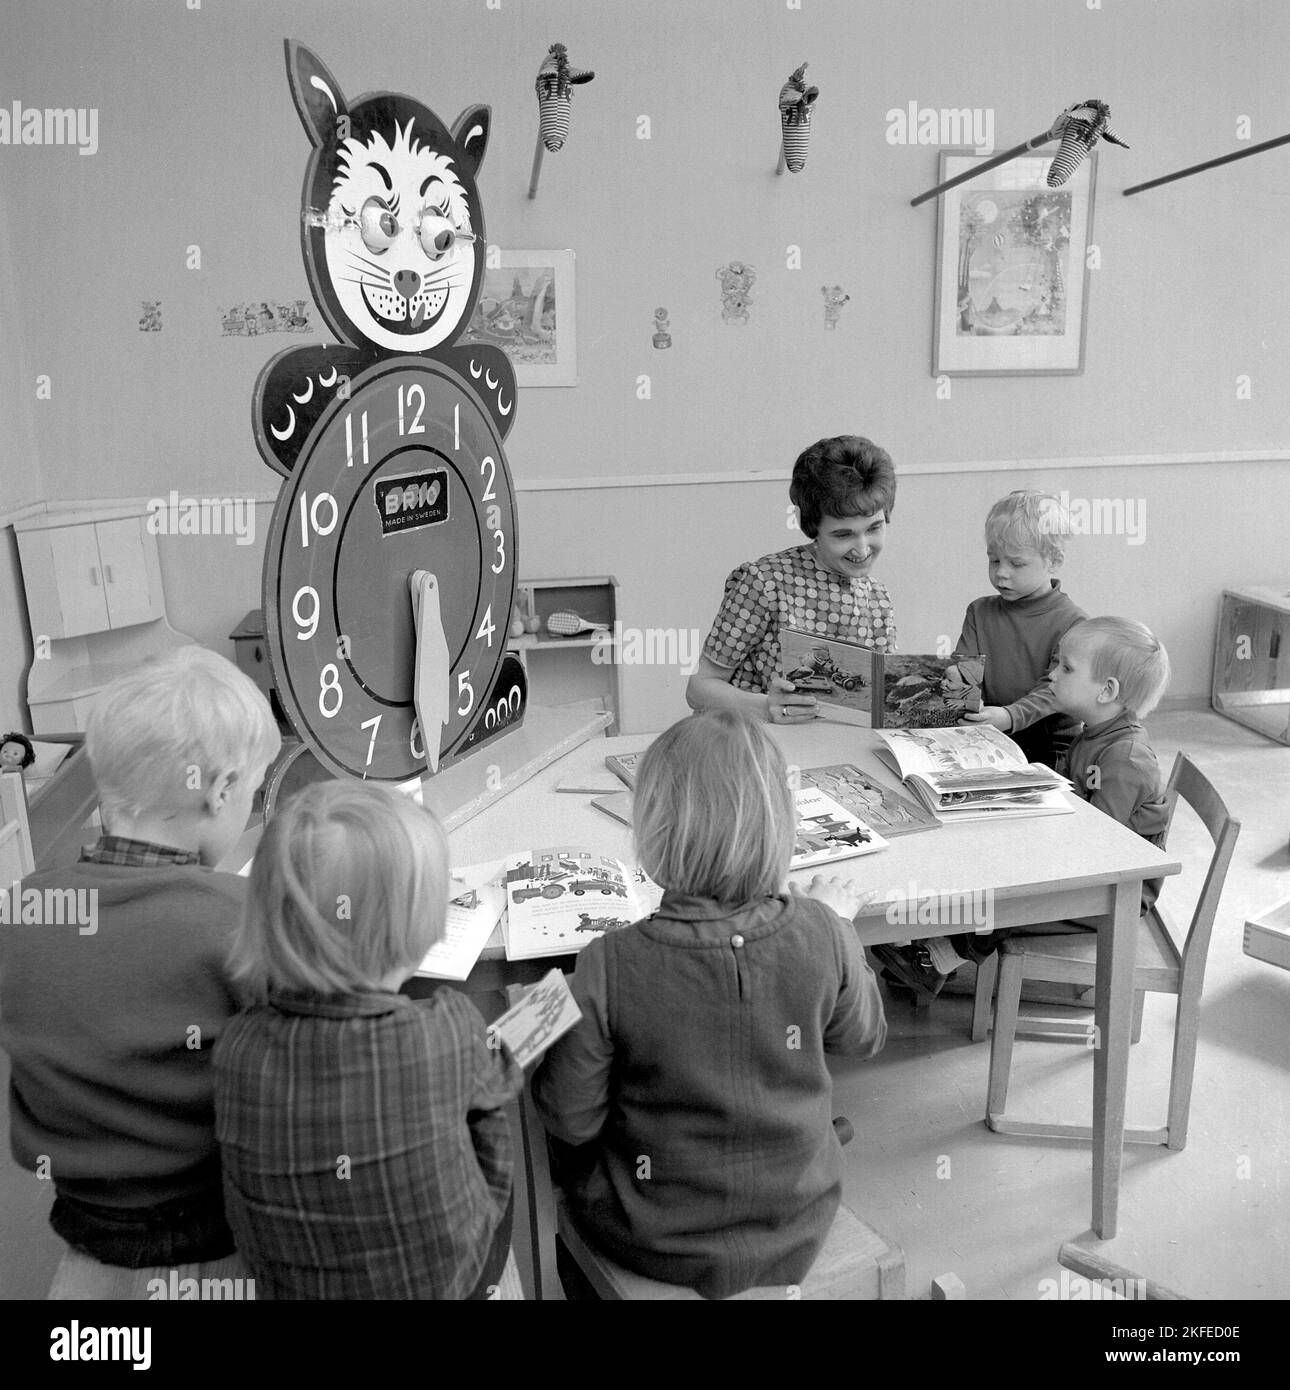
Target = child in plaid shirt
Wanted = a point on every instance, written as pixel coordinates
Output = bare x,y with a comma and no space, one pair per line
366,1152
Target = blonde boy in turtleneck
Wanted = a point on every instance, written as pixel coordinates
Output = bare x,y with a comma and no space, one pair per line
1018,627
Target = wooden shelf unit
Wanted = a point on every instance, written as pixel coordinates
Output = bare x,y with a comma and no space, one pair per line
561,670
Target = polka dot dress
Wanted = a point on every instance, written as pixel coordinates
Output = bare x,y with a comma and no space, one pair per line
791,589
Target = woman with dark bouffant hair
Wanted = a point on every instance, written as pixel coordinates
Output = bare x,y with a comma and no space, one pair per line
844,489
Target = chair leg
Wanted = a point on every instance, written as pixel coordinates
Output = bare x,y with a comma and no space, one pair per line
1006,1005
1139,999
987,974
1181,1076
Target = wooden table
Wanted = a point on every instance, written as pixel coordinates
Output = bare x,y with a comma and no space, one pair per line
1029,870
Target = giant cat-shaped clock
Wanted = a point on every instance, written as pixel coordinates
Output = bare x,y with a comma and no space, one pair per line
390,566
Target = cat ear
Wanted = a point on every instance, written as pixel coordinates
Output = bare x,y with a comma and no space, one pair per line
319,100
470,131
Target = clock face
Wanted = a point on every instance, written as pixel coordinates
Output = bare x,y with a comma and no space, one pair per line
407,474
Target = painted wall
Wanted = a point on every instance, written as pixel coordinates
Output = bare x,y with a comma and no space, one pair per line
199,147
20,484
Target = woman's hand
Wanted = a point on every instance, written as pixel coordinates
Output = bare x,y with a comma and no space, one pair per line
844,896
785,706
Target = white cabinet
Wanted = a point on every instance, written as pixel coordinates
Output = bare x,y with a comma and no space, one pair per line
90,576
95,604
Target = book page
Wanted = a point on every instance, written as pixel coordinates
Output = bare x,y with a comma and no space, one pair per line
559,899
839,674
827,831
940,754
472,915
868,800
927,692
547,1012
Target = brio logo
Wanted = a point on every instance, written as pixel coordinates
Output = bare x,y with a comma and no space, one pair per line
412,500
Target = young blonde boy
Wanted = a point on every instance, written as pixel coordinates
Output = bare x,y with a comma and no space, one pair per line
110,1023
1110,674
366,1151
1018,627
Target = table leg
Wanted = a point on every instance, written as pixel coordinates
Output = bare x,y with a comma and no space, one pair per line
1117,936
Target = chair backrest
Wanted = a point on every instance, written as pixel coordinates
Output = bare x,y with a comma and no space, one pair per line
16,859
1188,783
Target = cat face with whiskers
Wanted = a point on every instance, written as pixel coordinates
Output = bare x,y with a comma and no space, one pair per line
402,257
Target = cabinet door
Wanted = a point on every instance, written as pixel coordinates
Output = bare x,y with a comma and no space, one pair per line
123,551
78,577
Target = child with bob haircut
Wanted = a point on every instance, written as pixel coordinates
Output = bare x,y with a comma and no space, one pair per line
691,1109
844,489
110,1023
365,1150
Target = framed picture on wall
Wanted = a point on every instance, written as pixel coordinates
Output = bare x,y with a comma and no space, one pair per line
1011,269
526,308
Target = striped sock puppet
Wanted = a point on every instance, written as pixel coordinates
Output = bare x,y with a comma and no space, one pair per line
555,83
1079,128
795,101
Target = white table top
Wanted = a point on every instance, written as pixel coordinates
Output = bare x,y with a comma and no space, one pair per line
1018,859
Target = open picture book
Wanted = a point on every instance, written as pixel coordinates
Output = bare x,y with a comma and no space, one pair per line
881,690
557,900
473,914
827,831
972,771
889,813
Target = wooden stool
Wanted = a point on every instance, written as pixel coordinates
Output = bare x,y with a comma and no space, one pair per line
854,1263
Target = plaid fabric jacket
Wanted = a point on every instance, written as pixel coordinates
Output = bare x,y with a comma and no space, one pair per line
366,1153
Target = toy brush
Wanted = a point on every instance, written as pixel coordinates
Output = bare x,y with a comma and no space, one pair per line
571,625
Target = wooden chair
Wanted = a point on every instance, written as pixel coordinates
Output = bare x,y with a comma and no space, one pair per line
1161,967
854,1263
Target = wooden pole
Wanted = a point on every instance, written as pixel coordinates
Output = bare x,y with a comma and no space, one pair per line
1093,1266
1209,164
537,168
994,163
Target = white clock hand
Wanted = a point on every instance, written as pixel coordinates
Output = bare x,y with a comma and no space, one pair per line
430,690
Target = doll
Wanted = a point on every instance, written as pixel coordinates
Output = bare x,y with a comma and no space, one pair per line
16,753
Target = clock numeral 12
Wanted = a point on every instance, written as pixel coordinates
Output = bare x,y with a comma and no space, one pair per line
362,420
416,427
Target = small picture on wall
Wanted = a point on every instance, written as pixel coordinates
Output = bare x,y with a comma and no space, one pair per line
150,318
1011,277
258,316
526,308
